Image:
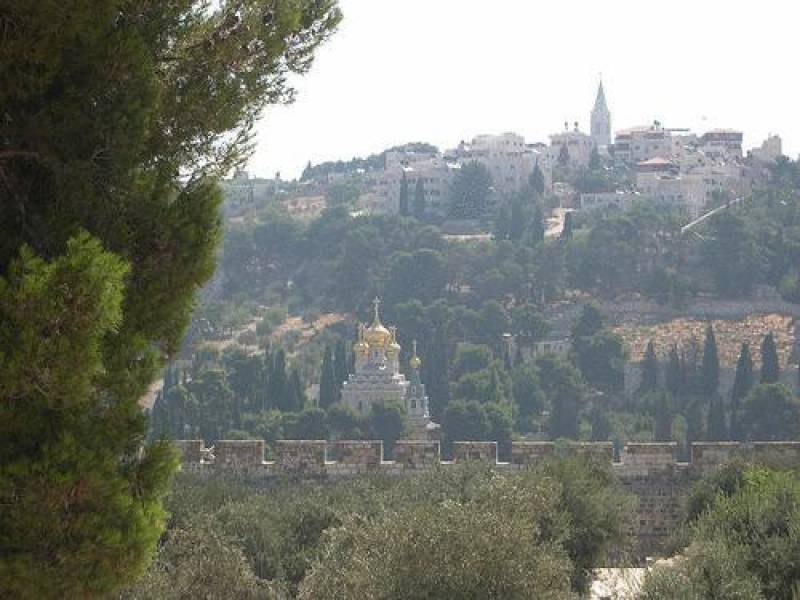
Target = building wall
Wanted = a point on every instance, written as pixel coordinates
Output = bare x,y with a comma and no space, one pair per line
650,472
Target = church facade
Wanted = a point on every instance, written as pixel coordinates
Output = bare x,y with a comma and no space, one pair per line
377,377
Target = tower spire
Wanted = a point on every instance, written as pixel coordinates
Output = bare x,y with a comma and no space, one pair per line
601,118
377,318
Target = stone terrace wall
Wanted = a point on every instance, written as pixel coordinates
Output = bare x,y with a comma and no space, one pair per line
649,471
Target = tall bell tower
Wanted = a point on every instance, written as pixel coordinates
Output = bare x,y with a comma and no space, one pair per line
601,119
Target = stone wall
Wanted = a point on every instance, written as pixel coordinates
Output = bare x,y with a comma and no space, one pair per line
649,471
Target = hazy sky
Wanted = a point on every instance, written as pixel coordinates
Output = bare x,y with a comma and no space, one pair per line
444,70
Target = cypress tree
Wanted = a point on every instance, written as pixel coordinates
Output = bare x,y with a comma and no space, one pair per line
566,232
518,358
709,377
536,227
297,396
601,426
403,205
419,199
770,364
674,376
662,420
742,384
517,220
340,366
502,223
649,370
279,383
435,367
536,180
327,382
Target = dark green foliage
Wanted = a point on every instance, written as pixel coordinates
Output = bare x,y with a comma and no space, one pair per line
340,365
61,444
717,428
403,206
564,390
464,421
536,180
387,422
649,370
470,192
419,199
662,418
344,423
731,255
328,386
598,352
770,413
309,424
743,539
744,381
770,364
709,372
674,376
117,119
569,226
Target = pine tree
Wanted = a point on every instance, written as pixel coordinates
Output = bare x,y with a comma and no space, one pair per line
403,204
770,364
419,199
717,430
742,384
118,119
709,377
649,370
327,383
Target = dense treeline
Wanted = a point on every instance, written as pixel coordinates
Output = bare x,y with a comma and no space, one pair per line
453,533
459,300
740,539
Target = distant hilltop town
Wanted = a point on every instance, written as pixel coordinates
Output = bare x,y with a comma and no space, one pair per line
664,166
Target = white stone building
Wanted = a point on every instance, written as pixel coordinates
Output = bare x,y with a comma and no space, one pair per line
638,144
509,160
377,377
579,146
721,144
436,174
769,151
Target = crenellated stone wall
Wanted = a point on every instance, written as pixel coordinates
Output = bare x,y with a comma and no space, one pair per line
649,471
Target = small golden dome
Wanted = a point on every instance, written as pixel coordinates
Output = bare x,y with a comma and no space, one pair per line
414,362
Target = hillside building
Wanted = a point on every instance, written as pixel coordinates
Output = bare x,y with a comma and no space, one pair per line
377,378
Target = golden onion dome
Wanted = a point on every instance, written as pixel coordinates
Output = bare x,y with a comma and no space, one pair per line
376,334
